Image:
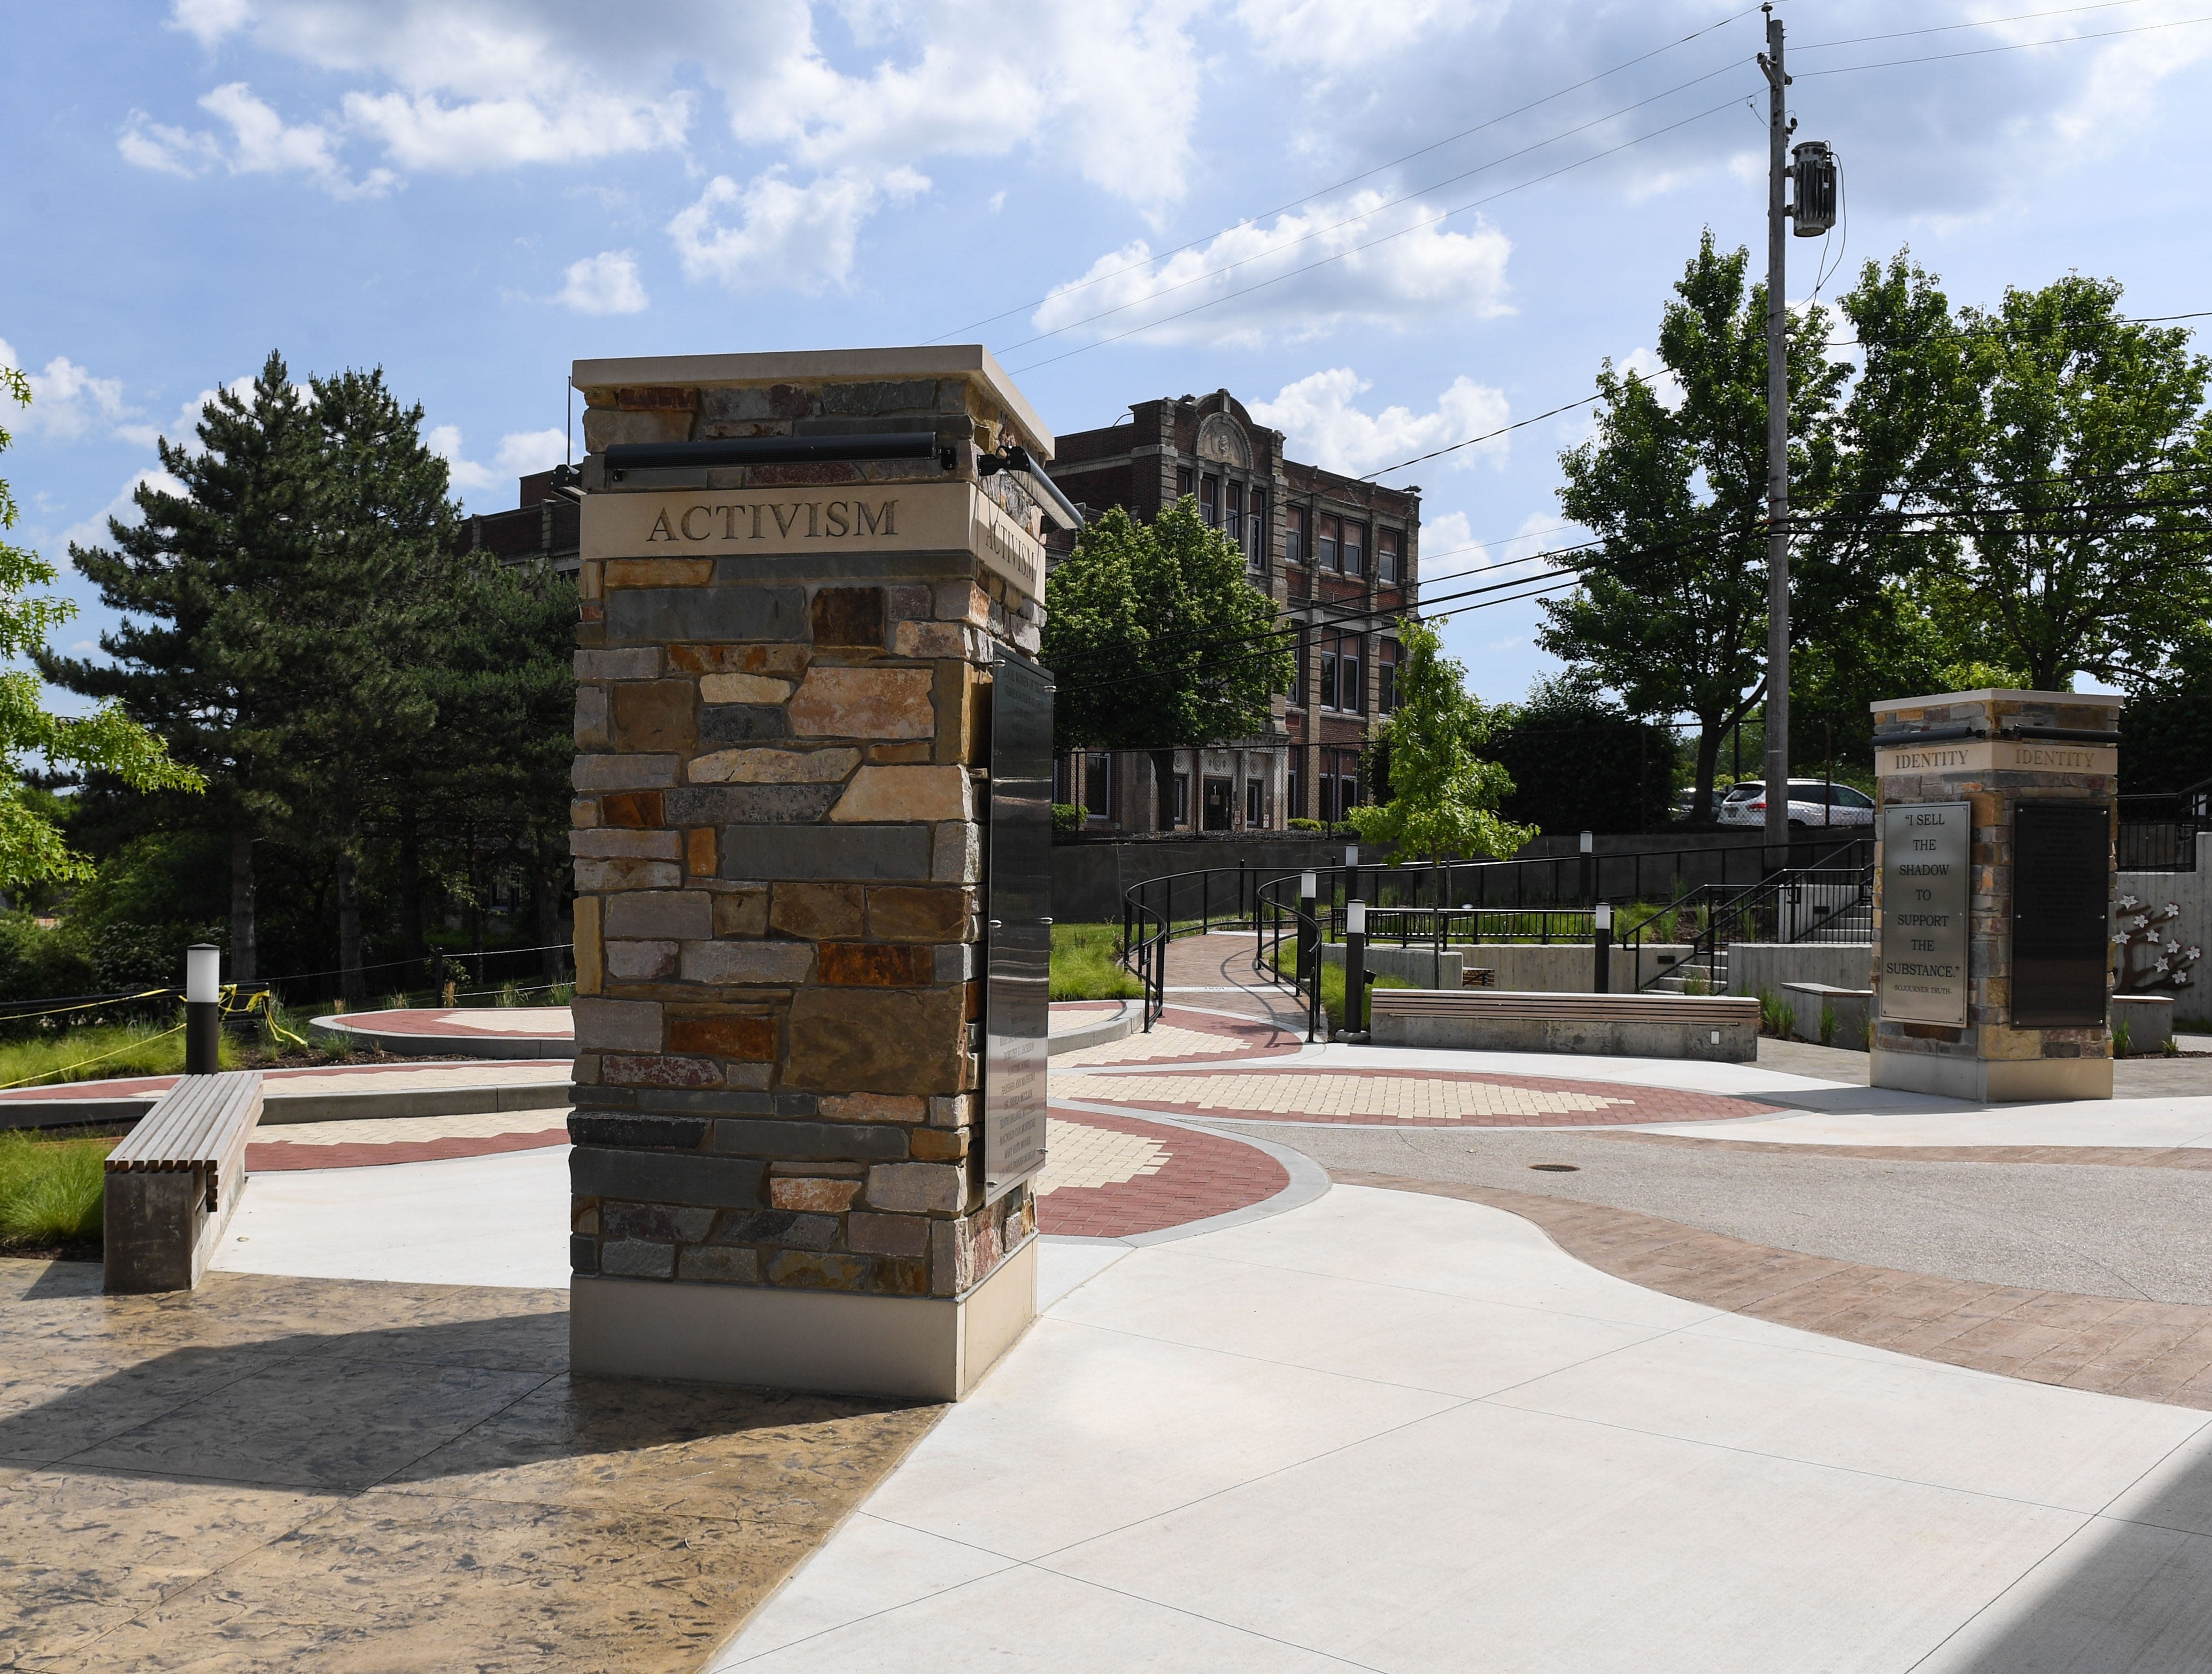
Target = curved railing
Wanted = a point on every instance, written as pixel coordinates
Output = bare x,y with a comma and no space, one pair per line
1547,899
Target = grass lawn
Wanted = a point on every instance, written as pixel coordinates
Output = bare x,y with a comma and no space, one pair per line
1083,966
50,1191
94,1053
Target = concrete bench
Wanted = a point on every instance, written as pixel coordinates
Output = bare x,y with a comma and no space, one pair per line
1613,1025
1853,1009
2149,1019
174,1180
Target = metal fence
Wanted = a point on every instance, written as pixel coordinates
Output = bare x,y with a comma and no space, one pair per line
2159,831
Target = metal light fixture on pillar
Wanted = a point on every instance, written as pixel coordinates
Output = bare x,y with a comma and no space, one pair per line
1601,946
1355,967
1310,948
203,1009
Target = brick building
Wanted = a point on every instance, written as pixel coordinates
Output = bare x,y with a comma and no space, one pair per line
543,524
1339,556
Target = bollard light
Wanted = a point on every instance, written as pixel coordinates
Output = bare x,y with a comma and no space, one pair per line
1589,842
1308,885
203,973
1605,915
1355,917
1352,854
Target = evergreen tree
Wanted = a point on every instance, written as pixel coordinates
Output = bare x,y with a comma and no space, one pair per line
190,581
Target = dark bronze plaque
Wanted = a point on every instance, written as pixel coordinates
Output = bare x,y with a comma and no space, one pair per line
1017,934
2062,895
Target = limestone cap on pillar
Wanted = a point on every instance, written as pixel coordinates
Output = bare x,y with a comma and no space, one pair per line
971,363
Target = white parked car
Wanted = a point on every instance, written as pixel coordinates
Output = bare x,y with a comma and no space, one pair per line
1814,804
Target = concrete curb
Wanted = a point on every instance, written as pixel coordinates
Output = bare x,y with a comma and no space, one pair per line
1110,1028
343,1030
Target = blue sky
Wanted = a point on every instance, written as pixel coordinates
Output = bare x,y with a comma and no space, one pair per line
1125,198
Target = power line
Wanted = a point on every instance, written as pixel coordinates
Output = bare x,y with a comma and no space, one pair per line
1354,179
1365,214
1972,23
1432,221
2012,46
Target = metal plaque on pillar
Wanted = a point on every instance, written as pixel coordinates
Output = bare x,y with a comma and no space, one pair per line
1926,873
2061,858
1019,908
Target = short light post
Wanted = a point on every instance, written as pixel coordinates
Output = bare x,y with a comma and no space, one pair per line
1310,948
203,1009
1351,872
1601,945
1355,966
1588,849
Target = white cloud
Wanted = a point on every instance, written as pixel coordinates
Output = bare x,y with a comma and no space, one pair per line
520,452
606,283
1318,415
94,531
66,399
1449,546
1644,363
803,236
1358,259
261,142
1331,35
421,131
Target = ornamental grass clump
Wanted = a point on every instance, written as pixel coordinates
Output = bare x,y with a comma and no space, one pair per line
50,1190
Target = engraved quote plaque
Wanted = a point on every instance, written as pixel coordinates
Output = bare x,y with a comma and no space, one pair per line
1926,874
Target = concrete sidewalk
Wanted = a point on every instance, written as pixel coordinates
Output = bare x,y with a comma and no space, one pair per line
1389,1431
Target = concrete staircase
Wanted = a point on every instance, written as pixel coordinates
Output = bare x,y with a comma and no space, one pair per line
1676,979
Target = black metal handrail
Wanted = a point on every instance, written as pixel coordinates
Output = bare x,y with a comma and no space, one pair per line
1797,904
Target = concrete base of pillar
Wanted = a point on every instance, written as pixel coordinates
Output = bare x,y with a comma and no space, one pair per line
1995,1080
919,1348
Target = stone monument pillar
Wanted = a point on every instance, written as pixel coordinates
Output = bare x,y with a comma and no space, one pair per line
1993,894
801,575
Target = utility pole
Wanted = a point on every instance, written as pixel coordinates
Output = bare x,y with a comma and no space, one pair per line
1777,454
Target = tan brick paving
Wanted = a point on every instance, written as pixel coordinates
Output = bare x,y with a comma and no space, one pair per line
1080,1157
2153,1351
1343,1095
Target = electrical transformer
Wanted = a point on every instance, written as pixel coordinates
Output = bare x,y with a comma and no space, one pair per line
1818,188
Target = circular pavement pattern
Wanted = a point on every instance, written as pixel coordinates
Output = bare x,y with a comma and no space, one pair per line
1113,1176
1418,1098
1185,1036
372,1142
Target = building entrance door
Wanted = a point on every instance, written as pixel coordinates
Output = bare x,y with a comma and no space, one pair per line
1218,791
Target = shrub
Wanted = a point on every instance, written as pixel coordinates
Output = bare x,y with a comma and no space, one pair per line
1068,816
1307,825
1774,1017
1828,1024
2123,1039
1085,965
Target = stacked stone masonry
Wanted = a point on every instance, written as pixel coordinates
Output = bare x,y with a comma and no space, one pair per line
1993,795
779,849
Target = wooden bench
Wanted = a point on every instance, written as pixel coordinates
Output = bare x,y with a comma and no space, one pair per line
174,1180
1716,1028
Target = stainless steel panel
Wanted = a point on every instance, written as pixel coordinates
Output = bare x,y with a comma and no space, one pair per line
1019,931
1926,851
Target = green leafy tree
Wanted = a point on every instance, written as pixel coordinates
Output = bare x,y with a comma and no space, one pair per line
1158,641
2088,455
1444,798
193,579
1672,612
31,848
1579,763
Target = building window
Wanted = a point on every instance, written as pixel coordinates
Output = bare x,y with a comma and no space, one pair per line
1063,778
1386,555
1355,537
1182,799
1235,528
1351,690
1295,787
1294,535
1098,783
1255,804
1347,777
1328,680
1386,699
1209,501
1182,483
1297,692
1255,531
1326,533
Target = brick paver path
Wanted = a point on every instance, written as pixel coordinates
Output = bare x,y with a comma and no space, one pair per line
1413,1097
2153,1351
1185,1176
1185,1036
373,1142
1225,963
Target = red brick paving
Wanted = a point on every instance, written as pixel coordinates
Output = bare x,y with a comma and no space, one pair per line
276,1155
1644,1104
2153,1351
1205,1174
1251,1037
